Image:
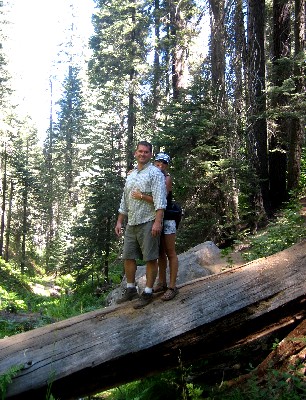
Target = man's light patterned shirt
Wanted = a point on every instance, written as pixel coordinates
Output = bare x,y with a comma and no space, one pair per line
151,181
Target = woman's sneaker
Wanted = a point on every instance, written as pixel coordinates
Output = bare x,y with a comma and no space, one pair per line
128,295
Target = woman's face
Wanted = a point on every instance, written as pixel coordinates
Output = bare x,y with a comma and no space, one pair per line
161,165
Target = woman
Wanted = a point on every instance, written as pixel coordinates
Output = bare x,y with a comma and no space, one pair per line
167,243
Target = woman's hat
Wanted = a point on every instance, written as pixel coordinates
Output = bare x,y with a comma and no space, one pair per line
162,157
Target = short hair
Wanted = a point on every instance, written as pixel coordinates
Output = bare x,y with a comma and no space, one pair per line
145,143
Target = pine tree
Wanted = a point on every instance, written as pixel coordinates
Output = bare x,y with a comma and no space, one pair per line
118,61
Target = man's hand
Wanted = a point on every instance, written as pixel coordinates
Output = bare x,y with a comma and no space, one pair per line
118,228
158,223
157,228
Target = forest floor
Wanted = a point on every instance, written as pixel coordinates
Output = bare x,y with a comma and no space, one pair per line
235,257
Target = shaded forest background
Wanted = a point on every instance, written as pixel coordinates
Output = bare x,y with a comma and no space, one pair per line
230,111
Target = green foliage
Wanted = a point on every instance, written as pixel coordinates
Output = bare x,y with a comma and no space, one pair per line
166,386
275,344
277,385
288,229
302,185
25,310
6,379
13,288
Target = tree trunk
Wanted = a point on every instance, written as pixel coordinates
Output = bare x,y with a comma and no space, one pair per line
278,145
8,223
298,132
131,110
217,13
156,65
24,228
179,48
98,350
25,195
257,130
50,188
68,131
4,189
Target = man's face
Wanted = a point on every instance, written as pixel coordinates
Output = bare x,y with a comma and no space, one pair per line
143,154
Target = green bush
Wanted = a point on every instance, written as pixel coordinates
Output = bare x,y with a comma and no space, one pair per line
287,229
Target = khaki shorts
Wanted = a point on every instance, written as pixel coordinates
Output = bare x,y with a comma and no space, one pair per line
139,242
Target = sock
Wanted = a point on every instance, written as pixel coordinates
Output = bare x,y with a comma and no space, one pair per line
148,290
130,285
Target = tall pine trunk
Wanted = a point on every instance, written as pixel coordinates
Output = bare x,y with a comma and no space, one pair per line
131,108
278,144
217,14
156,65
179,48
297,132
24,226
4,188
257,124
8,223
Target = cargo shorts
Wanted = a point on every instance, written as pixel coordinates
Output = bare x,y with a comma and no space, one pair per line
139,242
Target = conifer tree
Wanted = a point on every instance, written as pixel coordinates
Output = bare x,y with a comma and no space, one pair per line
119,51
64,164
93,240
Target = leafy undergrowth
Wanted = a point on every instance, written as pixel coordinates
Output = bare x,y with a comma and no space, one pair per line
21,309
278,385
285,230
174,385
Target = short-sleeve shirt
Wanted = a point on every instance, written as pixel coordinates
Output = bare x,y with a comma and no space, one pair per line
151,181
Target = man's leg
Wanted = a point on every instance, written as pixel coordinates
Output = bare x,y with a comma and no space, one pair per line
150,250
151,272
130,272
147,295
130,253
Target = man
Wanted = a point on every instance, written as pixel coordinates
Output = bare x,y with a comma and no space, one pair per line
142,234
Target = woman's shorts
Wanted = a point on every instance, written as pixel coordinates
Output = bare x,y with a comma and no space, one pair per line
169,227
139,242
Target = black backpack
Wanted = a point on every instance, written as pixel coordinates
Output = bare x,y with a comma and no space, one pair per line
174,212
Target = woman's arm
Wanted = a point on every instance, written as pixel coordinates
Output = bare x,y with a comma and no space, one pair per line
168,184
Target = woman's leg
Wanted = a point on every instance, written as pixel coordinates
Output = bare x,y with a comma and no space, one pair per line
162,263
170,252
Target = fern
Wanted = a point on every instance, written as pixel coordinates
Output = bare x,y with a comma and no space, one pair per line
6,379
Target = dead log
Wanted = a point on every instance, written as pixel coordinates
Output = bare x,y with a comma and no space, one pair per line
104,348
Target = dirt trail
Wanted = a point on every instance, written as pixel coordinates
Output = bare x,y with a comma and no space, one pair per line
235,259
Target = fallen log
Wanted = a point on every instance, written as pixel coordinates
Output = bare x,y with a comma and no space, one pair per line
104,348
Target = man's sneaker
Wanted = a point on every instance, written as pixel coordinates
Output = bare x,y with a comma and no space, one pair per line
144,300
129,294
